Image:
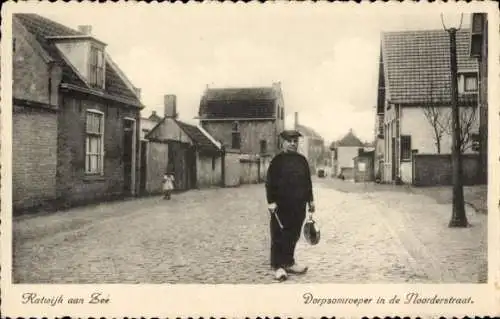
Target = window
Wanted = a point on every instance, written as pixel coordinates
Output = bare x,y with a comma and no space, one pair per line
405,147
282,113
94,142
263,146
96,73
470,83
213,163
235,134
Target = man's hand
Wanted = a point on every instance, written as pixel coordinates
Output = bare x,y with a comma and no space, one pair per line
312,208
272,207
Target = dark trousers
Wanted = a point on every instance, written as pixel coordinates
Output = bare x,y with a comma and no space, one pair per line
283,241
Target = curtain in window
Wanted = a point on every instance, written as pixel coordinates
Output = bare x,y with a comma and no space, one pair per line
93,143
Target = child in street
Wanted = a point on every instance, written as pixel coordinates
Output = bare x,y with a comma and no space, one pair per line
168,184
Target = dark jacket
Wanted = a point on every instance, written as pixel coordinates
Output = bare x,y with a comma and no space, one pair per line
289,179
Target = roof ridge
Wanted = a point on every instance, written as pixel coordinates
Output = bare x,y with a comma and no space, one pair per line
423,31
47,20
240,88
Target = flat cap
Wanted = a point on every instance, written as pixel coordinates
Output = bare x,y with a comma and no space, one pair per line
290,134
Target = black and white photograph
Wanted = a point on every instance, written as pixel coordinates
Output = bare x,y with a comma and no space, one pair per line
279,146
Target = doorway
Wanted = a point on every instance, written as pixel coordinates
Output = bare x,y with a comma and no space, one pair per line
128,158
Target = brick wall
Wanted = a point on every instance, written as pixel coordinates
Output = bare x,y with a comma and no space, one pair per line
434,169
34,129
74,186
252,132
34,156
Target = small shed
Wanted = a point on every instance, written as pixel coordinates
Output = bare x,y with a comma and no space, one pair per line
188,151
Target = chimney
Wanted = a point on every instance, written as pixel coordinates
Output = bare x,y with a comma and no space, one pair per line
296,122
85,29
153,113
170,105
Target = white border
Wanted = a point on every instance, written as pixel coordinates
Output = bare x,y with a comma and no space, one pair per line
253,300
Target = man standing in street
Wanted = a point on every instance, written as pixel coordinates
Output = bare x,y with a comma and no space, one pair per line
288,192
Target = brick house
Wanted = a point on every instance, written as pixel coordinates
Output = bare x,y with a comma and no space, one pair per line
343,153
311,145
247,122
186,150
75,117
413,89
479,50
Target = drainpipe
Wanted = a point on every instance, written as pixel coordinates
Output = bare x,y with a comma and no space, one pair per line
51,67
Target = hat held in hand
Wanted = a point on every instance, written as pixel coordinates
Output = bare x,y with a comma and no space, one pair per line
311,231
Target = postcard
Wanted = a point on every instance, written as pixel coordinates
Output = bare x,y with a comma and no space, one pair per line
278,159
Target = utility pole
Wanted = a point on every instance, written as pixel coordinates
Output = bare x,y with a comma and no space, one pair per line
458,218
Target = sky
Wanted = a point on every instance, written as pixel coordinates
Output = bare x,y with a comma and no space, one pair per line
325,59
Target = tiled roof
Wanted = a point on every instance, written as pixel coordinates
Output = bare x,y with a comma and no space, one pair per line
238,102
350,140
42,27
307,131
201,141
417,63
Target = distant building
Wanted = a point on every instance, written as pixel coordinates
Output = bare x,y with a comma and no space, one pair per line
343,152
247,121
311,145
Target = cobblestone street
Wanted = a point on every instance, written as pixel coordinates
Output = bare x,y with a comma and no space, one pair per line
222,236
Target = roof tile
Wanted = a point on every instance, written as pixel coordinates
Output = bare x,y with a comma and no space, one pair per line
256,102
202,142
417,64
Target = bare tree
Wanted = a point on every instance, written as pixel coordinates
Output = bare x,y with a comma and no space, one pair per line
437,116
468,120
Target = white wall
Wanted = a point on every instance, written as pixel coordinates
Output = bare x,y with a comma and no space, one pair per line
345,157
77,52
413,122
405,172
